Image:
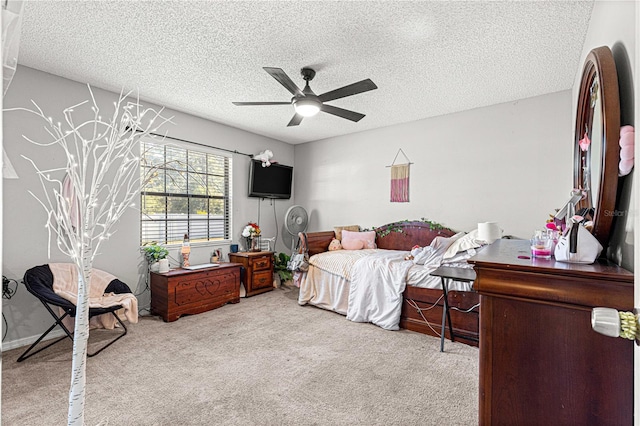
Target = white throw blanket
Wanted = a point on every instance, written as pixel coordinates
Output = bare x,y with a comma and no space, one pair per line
377,284
65,284
340,262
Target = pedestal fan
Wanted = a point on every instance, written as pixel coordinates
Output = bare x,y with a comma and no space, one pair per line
295,220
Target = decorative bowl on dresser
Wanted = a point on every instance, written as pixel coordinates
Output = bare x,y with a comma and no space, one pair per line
258,277
182,291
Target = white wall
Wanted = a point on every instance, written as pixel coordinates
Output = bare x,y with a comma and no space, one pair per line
613,24
510,163
24,235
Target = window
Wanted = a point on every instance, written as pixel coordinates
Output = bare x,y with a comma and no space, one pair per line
186,192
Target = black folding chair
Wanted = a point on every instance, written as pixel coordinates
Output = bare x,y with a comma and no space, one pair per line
39,282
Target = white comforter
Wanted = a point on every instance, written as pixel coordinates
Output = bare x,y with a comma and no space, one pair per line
367,285
377,284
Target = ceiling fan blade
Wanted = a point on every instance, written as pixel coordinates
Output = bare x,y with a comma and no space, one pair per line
260,103
351,89
283,79
344,113
297,118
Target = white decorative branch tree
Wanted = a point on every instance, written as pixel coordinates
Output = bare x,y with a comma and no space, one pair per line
85,199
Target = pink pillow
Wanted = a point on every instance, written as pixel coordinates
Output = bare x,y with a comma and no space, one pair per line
352,244
358,240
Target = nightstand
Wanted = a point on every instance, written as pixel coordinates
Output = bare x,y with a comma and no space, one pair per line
258,265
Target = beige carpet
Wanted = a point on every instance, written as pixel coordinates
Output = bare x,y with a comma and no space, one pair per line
264,361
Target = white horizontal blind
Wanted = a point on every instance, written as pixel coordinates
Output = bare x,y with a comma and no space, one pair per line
187,192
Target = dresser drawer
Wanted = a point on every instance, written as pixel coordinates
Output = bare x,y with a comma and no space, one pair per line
261,263
262,279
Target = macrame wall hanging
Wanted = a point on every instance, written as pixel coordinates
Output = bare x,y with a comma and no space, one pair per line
400,179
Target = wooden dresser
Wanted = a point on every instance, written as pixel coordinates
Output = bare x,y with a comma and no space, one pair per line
182,291
258,277
540,361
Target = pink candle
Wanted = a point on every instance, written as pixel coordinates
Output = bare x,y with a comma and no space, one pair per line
542,244
541,252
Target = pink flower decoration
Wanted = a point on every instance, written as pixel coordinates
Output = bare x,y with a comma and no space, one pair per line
584,142
552,226
627,150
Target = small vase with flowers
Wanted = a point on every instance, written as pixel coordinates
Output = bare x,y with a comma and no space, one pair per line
251,233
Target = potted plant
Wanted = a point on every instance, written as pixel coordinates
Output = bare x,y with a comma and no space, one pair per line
153,253
283,275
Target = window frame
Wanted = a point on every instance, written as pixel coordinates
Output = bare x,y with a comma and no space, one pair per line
227,197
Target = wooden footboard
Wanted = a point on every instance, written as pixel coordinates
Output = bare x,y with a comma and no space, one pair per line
422,312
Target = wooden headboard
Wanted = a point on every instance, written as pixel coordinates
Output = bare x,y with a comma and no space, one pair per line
318,242
394,236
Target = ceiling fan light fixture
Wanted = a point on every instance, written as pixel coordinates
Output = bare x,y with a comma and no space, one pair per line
307,107
307,104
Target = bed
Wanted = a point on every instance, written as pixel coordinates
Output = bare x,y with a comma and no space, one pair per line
329,284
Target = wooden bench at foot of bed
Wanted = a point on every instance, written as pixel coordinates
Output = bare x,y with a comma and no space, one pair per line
422,312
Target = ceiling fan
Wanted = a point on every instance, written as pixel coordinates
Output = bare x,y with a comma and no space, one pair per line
307,104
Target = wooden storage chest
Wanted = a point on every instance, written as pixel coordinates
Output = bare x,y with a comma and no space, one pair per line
181,291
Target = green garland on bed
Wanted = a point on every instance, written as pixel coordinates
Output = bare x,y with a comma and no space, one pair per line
398,227
434,226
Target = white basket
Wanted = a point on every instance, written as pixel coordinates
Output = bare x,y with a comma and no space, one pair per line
267,244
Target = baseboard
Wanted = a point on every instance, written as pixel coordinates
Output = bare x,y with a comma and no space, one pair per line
7,346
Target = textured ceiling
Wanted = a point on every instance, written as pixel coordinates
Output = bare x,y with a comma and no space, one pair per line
427,58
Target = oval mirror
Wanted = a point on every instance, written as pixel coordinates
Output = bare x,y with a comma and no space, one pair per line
596,148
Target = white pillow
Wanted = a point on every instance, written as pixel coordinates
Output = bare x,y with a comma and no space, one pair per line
465,243
436,249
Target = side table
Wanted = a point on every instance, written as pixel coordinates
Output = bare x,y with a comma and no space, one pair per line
457,274
258,265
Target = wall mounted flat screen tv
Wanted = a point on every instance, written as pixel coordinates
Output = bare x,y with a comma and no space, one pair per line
270,182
